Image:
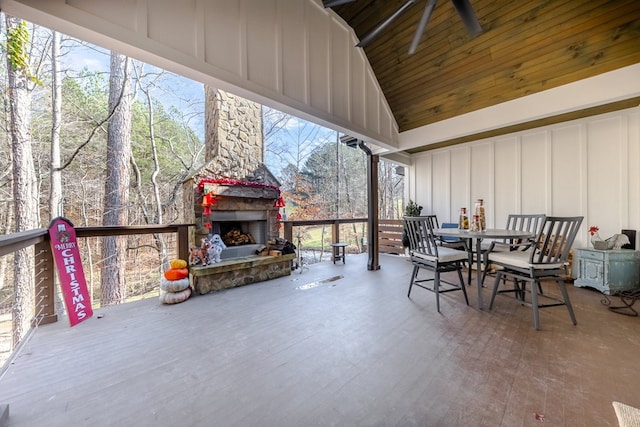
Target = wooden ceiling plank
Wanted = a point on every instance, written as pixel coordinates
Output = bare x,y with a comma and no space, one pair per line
569,51
589,21
466,99
397,42
455,105
471,66
440,51
573,53
527,48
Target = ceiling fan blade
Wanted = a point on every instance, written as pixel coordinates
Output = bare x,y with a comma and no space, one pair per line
468,16
332,3
428,10
384,24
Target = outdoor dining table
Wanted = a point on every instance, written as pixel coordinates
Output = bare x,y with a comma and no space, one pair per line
491,233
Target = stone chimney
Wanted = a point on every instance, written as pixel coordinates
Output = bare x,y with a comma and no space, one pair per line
236,197
244,189
233,136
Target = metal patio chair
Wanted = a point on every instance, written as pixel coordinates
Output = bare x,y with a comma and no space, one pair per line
427,254
522,222
546,259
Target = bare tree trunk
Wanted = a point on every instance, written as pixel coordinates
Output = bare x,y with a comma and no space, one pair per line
6,195
85,217
24,176
158,216
159,241
55,174
116,198
164,261
55,194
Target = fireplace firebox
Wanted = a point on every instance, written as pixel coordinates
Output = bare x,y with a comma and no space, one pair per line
243,232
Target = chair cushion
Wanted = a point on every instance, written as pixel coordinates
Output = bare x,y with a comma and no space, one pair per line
444,255
520,259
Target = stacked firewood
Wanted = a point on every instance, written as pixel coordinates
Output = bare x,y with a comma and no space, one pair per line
236,237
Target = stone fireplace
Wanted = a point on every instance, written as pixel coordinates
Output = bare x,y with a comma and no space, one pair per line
236,197
244,215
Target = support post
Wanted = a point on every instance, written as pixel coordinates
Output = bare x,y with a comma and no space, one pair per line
183,241
372,205
288,231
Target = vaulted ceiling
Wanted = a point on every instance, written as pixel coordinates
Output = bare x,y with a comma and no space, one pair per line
296,55
525,47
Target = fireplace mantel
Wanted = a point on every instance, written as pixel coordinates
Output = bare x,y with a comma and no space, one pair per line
241,191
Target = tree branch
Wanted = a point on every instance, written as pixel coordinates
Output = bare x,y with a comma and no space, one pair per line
95,129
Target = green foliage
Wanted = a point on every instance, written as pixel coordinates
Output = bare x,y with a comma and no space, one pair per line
17,50
172,138
412,209
86,95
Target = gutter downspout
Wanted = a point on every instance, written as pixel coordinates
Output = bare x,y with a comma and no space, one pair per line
372,207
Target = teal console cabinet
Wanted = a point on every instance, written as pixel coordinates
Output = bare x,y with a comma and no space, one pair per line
609,271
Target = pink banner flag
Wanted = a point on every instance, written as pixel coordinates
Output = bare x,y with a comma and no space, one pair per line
72,281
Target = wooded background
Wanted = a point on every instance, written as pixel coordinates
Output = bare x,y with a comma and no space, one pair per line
110,145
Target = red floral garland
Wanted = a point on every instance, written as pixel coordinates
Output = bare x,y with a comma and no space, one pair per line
229,181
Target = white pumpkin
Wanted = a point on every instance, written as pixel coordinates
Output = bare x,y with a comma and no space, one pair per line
174,285
175,297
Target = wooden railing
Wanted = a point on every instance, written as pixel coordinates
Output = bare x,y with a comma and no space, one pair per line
389,231
43,258
390,236
335,226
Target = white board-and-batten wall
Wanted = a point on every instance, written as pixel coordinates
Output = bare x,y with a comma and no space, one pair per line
588,167
293,55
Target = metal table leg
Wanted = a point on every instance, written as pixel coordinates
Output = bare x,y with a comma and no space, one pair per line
478,275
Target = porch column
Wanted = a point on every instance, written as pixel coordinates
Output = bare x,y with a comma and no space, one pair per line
372,205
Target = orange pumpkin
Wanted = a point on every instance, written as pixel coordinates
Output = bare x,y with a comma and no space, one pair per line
176,273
